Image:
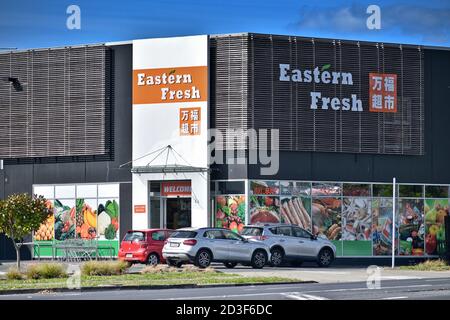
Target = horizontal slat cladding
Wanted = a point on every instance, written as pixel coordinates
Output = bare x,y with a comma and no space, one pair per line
230,95
63,107
286,105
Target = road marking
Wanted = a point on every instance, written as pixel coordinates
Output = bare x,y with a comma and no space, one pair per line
300,296
394,298
400,278
365,288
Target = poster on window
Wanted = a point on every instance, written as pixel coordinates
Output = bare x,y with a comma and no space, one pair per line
265,209
382,226
356,219
65,219
411,227
230,212
435,211
46,231
296,210
86,218
108,219
326,217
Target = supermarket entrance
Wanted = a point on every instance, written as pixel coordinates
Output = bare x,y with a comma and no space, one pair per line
178,212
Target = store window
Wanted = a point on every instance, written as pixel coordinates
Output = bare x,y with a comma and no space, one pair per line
410,191
82,211
382,190
437,192
382,226
265,202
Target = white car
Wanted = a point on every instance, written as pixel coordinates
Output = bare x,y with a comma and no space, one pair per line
289,242
201,246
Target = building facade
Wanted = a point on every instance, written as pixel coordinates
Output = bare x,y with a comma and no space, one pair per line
306,131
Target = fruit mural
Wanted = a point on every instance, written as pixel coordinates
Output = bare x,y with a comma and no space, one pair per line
86,220
230,212
46,230
435,213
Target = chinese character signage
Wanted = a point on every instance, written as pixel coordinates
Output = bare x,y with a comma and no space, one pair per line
382,92
189,121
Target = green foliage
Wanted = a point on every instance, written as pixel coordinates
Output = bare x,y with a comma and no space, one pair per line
110,232
14,274
46,271
21,214
103,268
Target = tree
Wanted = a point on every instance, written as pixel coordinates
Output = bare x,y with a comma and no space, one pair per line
20,216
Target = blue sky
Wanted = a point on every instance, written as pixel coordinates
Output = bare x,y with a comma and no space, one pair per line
35,24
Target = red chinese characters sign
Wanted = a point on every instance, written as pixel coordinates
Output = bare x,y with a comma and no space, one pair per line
382,92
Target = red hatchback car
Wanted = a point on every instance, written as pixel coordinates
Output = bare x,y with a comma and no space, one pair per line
144,246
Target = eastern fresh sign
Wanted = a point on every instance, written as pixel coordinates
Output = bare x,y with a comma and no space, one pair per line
383,88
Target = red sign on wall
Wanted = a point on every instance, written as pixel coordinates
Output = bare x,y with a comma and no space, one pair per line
176,188
382,92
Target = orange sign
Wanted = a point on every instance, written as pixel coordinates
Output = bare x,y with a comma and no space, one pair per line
176,188
169,85
140,208
382,92
190,120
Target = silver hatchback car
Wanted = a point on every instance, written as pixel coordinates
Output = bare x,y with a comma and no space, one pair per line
202,246
289,242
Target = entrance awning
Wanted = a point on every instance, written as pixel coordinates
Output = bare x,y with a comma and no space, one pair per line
165,152
167,169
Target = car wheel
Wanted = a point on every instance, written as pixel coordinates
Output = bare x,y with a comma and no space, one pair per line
152,259
276,258
259,259
203,259
325,258
230,265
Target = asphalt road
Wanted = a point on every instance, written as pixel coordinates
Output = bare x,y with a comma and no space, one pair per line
419,289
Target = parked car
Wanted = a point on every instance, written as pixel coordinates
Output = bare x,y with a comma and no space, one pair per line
288,242
144,246
201,246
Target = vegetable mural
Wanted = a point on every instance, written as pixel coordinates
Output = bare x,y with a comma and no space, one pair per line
435,213
64,219
411,227
230,212
108,220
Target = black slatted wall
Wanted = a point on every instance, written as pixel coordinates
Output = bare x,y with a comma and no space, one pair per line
61,106
275,104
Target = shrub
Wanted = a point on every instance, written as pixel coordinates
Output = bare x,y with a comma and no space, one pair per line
103,268
429,265
46,271
14,274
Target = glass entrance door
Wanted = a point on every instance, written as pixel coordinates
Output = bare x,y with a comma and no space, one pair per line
178,212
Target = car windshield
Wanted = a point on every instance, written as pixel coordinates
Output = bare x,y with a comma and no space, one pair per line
183,234
134,236
251,231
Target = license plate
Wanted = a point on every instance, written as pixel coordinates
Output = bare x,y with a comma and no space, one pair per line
174,244
129,255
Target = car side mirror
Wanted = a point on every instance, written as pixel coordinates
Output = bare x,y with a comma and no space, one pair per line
313,237
244,240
